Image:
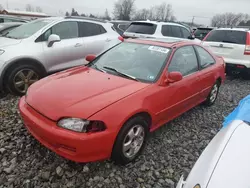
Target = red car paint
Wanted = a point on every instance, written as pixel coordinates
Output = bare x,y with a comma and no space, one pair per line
93,95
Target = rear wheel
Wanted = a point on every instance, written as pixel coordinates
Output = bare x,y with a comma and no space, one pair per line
20,77
130,141
213,94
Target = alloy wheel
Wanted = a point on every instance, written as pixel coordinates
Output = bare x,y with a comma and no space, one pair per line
133,141
214,93
23,79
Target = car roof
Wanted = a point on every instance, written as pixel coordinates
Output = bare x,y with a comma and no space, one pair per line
11,23
234,29
14,17
160,23
164,42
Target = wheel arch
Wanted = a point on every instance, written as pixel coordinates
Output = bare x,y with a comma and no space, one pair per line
20,61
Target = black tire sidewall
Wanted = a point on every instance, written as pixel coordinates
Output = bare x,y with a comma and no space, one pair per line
117,154
11,74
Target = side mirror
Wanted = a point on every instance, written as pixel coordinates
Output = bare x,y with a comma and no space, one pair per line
90,57
191,37
52,39
173,77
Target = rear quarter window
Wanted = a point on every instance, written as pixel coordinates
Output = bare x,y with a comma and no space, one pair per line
227,36
142,28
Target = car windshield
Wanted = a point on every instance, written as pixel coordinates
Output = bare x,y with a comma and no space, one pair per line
227,36
142,28
201,32
140,62
28,29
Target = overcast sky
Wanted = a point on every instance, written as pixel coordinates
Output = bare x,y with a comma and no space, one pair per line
184,10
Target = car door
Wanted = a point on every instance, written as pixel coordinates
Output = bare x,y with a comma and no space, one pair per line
94,36
66,53
207,71
178,97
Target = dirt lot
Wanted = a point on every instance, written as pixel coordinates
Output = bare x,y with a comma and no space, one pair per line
170,151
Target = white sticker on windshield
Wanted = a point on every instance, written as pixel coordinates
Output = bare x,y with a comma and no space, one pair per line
158,49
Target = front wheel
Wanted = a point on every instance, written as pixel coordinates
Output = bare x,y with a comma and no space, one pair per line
130,141
21,77
213,94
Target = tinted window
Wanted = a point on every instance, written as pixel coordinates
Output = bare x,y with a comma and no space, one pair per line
185,33
171,31
143,28
166,31
66,30
176,30
90,29
201,33
184,61
205,58
144,62
227,36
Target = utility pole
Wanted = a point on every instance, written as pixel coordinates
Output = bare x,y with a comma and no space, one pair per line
192,21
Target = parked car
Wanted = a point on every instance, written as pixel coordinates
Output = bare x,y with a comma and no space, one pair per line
49,45
225,161
107,108
6,27
7,18
120,26
154,29
201,32
234,46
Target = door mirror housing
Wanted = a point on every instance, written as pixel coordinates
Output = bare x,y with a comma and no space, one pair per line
191,37
90,57
52,39
174,77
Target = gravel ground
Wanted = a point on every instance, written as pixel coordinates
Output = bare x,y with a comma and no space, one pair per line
170,152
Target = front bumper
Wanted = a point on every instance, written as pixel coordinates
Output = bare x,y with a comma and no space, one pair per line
78,147
234,69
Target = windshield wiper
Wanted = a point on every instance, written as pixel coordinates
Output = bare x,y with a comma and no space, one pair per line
97,68
120,73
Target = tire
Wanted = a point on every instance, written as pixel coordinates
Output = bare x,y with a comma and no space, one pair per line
19,77
123,152
213,94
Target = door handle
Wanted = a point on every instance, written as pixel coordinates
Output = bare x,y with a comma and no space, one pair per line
108,40
78,45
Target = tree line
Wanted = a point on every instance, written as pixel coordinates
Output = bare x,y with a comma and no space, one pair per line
230,19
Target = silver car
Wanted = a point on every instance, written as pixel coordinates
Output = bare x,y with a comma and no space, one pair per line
225,163
48,45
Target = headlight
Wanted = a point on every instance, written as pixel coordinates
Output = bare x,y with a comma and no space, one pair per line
74,124
1,52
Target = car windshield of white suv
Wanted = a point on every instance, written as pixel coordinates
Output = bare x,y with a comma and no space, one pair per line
227,36
28,29
135,61
142,28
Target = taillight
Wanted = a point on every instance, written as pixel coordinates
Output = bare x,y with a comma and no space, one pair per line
247,48
121,38
240,66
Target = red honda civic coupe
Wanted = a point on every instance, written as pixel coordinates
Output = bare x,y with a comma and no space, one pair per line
106,109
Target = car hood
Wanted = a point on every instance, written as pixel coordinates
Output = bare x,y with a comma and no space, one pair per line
79,92
4,42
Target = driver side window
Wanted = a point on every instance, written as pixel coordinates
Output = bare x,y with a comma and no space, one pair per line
66,30
184,61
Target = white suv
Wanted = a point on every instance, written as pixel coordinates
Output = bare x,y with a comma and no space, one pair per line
154,29
44,46
234,46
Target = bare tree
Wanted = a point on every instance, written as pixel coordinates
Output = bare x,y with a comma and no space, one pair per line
228,19
142,14
67,13
74,12
123,9
164,12
29,8
106,15
39,9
